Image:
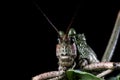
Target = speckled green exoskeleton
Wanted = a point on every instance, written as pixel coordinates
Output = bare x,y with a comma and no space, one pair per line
73,52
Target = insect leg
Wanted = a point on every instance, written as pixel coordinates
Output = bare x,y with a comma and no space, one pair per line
113,41
48,75
111,45
102,66
104,73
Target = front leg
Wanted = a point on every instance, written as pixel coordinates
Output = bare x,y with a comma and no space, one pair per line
101,66
61,77
53,75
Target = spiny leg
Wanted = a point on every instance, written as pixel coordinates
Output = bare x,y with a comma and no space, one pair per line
53,75
103,66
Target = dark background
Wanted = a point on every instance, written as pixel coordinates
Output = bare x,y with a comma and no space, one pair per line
95,19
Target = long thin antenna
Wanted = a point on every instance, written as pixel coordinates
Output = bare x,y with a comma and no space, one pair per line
112,41
70,24
47,18
74,15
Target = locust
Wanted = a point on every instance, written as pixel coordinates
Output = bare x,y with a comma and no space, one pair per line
73,52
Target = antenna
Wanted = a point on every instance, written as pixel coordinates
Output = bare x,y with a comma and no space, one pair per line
74,15
47,18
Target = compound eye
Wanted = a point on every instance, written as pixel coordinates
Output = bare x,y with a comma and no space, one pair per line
71,32
61,33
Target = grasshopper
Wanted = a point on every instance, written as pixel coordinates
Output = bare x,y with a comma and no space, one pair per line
73,52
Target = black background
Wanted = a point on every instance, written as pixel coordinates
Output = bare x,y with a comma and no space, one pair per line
95,19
